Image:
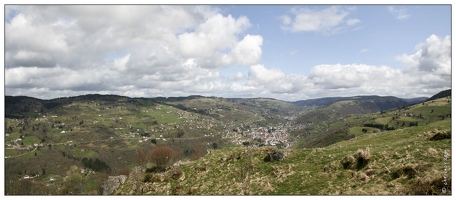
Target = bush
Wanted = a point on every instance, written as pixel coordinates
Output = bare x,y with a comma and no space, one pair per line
440,135
358,160
275,155
410,170
405,170
162,156
362,158
348,162
429,187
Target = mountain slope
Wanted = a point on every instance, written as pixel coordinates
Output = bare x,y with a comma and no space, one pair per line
415,100
384,103
340,107
441,94
344,120
389,163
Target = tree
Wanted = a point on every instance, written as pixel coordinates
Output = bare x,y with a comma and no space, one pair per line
180,133
154,141
162,156
73,185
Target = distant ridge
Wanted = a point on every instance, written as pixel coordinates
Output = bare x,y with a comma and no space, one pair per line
415,100
383,102
441,94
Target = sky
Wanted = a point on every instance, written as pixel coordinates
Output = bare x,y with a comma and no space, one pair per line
286,52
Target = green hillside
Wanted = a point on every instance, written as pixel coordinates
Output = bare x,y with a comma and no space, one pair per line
404,161
224,146
344,120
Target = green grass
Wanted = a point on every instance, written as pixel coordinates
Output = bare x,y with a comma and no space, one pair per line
12,136
30,140
303,171
383,120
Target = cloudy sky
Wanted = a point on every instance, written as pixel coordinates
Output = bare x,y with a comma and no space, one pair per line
287,52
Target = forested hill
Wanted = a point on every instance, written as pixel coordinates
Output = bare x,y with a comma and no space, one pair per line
381,103
441,94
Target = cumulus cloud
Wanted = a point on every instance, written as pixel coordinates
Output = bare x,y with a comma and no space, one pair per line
398,13
238,76
215,34
149,51
329,20
248,51
425,73
152,50
433,55
431,63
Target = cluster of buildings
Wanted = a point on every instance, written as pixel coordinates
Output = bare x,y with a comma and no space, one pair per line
269,136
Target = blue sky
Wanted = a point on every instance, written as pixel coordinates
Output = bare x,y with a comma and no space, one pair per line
288,52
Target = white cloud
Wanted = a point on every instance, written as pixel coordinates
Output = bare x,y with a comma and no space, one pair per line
248,51
258,74
352,21
120,63
238,76
431,63
398,13
286,20
122,49
216,34
53,51
329,20
433,55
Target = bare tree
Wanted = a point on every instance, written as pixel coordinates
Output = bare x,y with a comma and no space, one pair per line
162,156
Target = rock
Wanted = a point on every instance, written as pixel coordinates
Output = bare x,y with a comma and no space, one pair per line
113,183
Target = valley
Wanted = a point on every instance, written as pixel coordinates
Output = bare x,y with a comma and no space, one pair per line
72,145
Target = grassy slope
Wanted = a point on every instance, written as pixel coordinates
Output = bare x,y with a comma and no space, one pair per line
432,112
100,128
318,171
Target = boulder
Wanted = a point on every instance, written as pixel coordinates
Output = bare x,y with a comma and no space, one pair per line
113,183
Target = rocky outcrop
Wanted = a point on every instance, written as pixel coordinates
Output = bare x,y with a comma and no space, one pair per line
113,183
125,185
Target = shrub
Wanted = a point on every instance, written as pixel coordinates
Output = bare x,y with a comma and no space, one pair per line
331,167
410,170
275,155
348,162
362,158
405,170
440,135
429,187
358,160
162,156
